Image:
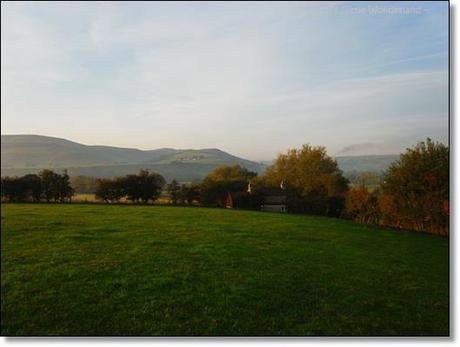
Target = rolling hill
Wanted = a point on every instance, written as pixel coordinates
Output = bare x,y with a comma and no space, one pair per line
22,154
359,163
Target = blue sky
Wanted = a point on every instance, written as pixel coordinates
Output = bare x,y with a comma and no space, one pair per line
252,79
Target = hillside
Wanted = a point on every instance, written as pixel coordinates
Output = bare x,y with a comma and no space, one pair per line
21,154
360,163
375,163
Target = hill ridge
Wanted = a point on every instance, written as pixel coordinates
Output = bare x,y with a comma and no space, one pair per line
26,153
30,153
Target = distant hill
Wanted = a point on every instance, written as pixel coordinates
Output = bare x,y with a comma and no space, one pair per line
375,163
361,163
21,154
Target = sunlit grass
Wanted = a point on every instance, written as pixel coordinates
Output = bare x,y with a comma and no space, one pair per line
158,270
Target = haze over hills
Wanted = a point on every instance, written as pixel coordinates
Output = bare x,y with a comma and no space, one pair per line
21,154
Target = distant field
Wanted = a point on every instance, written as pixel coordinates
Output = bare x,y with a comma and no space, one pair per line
92,198
158,270
84,198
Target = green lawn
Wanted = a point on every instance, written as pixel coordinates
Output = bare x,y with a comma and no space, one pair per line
145,270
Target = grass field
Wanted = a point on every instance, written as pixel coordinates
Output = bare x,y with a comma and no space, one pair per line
91,198
145,270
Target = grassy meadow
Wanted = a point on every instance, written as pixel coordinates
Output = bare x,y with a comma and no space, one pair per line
82,269
91,198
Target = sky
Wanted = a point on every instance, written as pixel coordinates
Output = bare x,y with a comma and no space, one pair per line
252,79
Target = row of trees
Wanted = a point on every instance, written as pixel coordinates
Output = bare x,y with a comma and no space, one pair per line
46,186
311,180
141,188
184,194
414,193
312,183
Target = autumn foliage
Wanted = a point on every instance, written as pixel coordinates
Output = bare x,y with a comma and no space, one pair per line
414,194
363,205
312,179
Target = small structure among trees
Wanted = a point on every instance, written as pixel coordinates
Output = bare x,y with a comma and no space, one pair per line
225,180
274,200
412,194
314,183
229,201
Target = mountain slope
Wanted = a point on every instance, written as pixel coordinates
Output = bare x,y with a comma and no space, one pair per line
30,153
27,151
21,154
375,163
360,163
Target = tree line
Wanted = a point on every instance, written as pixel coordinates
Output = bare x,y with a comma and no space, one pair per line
46,186
141,188
412,194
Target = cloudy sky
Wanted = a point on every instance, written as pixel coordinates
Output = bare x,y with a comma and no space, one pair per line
252,79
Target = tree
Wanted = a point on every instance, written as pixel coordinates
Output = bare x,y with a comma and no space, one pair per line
55,186
109,190
418,183
173,190
49,187
188,193
223,180
63,187
362,205
33,186
14,189
143,187
312,179
389,213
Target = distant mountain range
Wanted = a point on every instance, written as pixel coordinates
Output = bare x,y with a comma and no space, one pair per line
21,154
376,163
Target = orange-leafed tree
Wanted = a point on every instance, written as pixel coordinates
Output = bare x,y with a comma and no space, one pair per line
362,205
419,186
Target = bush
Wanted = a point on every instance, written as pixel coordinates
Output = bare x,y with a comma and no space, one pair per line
362,206
417,185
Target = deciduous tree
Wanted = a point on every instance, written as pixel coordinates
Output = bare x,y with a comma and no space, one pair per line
223,180
419,186
312,180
